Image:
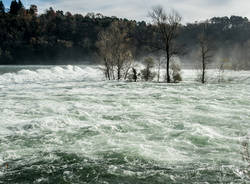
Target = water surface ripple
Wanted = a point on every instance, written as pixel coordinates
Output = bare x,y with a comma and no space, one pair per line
65,124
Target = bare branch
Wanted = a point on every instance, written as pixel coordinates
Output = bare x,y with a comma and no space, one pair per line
167,26
114,51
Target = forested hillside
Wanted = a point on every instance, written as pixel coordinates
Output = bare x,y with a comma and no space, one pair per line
57,37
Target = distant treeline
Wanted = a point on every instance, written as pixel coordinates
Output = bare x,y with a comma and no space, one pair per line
55,37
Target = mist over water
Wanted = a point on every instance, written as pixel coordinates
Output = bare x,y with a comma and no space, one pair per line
66,124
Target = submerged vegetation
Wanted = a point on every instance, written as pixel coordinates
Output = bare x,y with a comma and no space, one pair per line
146,73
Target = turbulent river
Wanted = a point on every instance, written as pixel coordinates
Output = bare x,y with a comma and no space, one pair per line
66,124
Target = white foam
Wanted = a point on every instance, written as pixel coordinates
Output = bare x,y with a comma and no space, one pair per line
56,73
71,108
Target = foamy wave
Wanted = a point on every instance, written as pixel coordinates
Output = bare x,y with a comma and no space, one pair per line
53,74
81,73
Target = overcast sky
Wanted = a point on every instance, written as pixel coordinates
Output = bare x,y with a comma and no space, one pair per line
191,10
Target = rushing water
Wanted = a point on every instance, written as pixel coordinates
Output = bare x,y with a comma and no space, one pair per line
65,124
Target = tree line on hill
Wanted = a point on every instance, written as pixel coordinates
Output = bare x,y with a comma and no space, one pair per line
55,37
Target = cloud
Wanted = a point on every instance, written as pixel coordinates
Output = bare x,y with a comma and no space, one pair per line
191,10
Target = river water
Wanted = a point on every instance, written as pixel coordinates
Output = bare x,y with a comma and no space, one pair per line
66,124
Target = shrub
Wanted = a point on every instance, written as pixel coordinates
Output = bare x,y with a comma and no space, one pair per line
146,73
176,71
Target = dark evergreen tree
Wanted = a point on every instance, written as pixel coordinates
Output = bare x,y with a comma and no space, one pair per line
55,36
14,7
20,5
2,8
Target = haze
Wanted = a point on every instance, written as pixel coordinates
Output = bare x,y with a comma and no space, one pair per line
191,10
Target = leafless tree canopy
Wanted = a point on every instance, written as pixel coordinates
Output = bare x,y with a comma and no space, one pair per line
114,50
167,26
205,54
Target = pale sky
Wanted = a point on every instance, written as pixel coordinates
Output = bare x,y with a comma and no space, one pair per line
190,10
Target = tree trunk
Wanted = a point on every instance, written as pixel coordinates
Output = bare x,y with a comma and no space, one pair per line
118,72
203,70
168,61
107,70
158,74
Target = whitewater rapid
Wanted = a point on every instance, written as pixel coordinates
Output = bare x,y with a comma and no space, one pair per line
68,124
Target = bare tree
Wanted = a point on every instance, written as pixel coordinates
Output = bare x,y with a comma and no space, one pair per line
205,54
128,65
159,62
113,46
104,45
167,26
